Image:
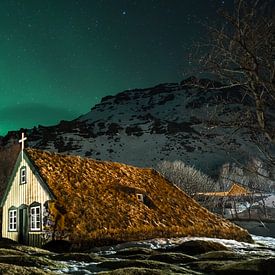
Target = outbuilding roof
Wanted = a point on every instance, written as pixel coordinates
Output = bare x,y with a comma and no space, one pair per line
234,191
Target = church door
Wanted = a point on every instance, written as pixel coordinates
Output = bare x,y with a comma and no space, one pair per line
23,225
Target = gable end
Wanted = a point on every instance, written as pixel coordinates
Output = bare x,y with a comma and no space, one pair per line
34,171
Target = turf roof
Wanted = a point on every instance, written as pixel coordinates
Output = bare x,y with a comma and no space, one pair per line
235,191
100,199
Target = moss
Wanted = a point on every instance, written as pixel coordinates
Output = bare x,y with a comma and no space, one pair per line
195,247
172,258
116,264
134,251
29,261
9,269
139,271
91,207
80,257
7,251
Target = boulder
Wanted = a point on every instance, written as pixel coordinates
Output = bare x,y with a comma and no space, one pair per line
207,266
172,258
10,269
143,271
259,266
195,247
222,255
136,257
29,260
118,264
35,251
80,257
9,251
134,251
59,246
7,243
265,266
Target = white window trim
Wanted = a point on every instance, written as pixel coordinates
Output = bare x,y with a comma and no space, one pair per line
35,218
23,178
12,220
140,197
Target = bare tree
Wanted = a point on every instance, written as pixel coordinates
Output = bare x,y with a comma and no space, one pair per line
241,53
189,179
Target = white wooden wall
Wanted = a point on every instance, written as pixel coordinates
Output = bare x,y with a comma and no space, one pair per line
20,194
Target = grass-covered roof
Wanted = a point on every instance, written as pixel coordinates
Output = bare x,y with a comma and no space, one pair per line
235,191
99,200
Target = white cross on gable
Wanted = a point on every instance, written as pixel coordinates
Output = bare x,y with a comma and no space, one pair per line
22,140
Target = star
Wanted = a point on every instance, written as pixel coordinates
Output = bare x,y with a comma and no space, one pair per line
87,46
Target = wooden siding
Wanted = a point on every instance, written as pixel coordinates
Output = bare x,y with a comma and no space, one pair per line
35,239
22,194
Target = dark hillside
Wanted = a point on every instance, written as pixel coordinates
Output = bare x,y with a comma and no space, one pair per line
8,157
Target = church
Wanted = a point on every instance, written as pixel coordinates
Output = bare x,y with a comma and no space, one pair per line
51,196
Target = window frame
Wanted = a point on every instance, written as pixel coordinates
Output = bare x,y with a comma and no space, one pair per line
35,222
140,197
12,219
23,169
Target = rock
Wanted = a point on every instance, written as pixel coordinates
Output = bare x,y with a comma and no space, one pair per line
222,255
136,257
9,269
10,247
237,267
9,251
134,251
196,247
172,258
59,246
206,266
7,243
21,259
140,271
118,264
249,267
80,257
29,260
32,250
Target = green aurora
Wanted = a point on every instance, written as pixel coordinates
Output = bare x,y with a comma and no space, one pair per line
59,58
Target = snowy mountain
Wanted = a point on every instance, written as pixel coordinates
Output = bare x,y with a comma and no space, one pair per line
142,127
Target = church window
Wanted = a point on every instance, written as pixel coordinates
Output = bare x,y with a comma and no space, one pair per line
23,175
35,217
12,219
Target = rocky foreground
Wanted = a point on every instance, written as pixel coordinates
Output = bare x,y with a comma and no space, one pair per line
162,256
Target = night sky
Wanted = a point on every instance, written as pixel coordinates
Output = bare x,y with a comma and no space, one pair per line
60,57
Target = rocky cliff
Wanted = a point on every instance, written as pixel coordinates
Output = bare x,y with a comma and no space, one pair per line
176,121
